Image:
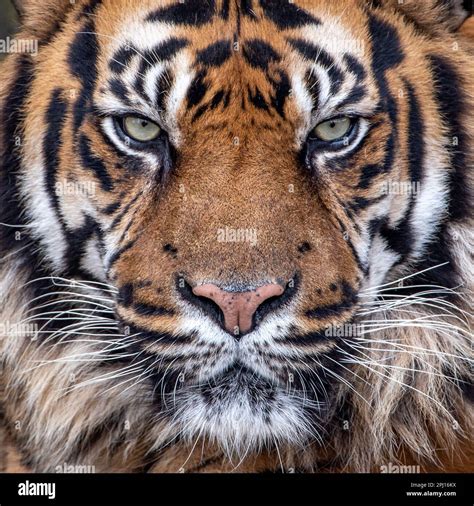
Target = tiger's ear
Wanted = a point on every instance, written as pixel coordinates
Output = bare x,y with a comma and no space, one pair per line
41,18
434,16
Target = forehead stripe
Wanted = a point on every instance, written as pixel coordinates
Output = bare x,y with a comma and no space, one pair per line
259,54
192,12
160,53
246,7
216,54
121,58
224,12
355,95
162,87
322,58
119,90
287,15
355,67
197,90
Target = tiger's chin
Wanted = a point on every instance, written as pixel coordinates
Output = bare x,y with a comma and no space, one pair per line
243,413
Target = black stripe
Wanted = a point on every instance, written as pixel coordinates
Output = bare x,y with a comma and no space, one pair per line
197,89
162,52
115,257
451,99
82,60
258,100
386,54
401,238
93,163
157,337
312,85
227,99
363,268
368,173
287,15
124,211
88,9
246,7
386,48
11,114
356,95
191,12
216,54
282,89
119,90
319,56
165,51
259,54
162,87
224,13
151,310
354,66
76,241
216,99
55,119
121,58
111,208
125,295
199,112
307,340
359,203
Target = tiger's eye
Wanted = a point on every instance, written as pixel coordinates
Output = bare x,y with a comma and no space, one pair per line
333,129
141,129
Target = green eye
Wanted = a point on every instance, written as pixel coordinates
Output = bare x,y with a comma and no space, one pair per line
333,129
140,129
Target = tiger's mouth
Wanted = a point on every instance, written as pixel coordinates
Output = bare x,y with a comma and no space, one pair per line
239,378
239,409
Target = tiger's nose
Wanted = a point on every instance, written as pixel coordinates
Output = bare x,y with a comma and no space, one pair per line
238,308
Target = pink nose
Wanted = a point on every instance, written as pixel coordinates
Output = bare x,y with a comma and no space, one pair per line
238,307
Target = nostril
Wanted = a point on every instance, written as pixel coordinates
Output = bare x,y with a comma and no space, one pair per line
239,308
277,301
207,305
237,312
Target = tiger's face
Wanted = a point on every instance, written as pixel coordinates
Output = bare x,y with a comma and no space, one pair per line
229,170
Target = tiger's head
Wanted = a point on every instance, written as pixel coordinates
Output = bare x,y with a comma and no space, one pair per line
218,193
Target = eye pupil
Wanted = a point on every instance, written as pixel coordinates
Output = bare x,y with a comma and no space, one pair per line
333,130
140,129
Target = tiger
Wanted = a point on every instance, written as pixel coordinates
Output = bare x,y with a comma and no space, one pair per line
237,236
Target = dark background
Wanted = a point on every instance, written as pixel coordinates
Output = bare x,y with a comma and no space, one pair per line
8,20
